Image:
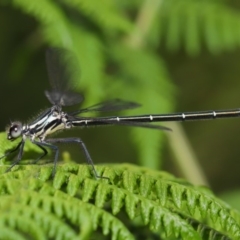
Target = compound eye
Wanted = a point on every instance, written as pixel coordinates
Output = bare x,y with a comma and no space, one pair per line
15,130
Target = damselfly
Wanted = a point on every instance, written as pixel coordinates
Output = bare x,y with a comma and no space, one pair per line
54,119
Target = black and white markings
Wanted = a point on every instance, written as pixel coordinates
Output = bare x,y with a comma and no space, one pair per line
54,119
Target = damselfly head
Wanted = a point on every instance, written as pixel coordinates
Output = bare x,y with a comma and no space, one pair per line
14,131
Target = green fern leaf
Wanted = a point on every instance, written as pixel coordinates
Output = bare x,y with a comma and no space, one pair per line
101,13
8,233
170,207
187,22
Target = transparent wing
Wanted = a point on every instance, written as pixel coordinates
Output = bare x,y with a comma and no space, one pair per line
62,69
111,105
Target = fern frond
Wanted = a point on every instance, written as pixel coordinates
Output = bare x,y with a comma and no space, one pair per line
42,217
164,204
101,13
8,233
47,211
187,22
52,19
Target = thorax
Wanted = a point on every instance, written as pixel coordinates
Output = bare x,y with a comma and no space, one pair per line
48,122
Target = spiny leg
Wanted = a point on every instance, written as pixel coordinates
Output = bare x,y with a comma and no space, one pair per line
45,152
11,151
54,148
83,146
20,153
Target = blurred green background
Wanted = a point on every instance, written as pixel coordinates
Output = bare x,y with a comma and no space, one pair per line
168,55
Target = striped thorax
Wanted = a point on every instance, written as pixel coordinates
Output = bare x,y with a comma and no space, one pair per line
50,121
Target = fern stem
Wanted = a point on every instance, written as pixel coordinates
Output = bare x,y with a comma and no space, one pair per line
185,158
143,23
